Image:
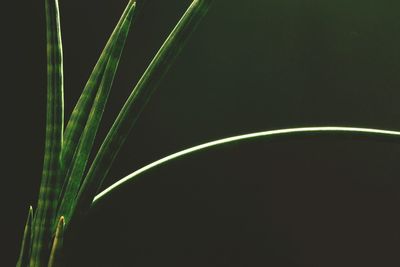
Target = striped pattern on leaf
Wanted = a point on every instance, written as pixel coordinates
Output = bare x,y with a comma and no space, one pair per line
81,111
51,181
63,188
79,161
137,100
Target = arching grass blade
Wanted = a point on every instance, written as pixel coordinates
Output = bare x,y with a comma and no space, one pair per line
379,134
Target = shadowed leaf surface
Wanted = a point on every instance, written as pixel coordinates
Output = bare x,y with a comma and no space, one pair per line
25,251
55,259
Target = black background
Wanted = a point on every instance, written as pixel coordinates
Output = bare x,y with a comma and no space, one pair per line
250,66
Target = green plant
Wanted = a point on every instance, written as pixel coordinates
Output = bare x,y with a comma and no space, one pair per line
67,192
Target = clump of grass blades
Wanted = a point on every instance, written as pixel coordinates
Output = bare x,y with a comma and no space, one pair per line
66,192
68,188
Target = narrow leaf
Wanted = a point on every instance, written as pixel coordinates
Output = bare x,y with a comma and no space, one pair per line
25,252
137,100
86,141
56,250
51,182
271,135
81,111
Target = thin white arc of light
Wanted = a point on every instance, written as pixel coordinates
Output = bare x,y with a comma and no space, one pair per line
239,138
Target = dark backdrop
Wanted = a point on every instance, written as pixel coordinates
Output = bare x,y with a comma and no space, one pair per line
250,66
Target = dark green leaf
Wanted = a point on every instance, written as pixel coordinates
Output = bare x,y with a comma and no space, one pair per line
25,252
51,182
79,161
137,100
81,111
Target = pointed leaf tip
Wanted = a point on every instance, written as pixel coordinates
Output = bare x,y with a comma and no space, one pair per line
24,255
136,102
56,250
62,221
90,117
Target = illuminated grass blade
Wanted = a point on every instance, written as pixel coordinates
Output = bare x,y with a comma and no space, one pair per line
51,182
25,252
137,100
56,250
78,164
272,135
81,111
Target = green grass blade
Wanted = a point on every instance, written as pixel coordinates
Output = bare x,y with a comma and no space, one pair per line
86,141
81,111
51,182
137,100
386,135
25,252
56,250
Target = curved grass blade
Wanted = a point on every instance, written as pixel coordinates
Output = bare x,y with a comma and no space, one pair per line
81,111
25,252
137,100
56,250
78,164
51,182
272,134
